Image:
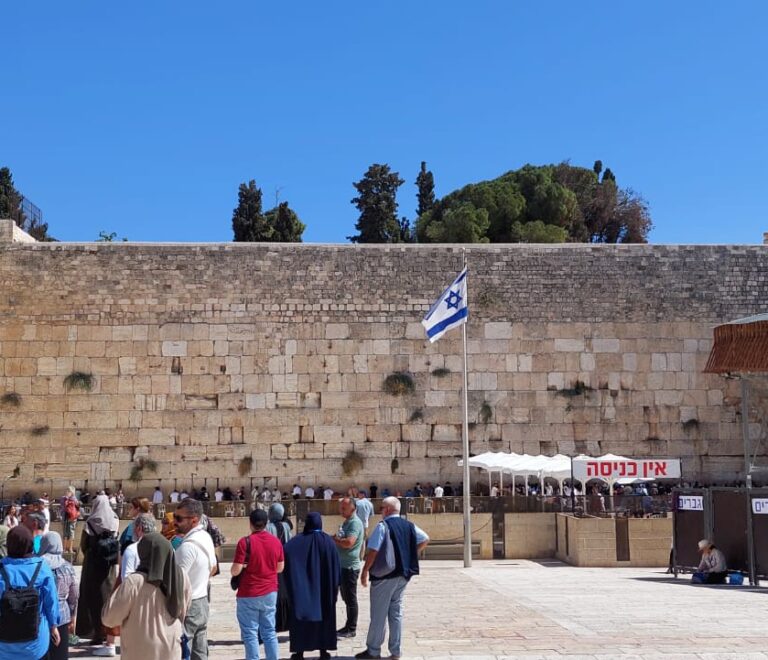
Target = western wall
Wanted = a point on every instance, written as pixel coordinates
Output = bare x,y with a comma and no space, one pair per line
246,362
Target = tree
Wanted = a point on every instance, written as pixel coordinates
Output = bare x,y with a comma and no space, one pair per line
542,203
425,184
461,224
248,222
10,198
377,203
285,224
110,237
11,206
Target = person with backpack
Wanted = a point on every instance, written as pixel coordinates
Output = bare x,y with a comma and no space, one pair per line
100,549
70,513
29,606
255,568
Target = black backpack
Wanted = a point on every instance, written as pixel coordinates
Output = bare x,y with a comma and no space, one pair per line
19,610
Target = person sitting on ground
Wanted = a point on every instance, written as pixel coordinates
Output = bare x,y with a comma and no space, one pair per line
712,569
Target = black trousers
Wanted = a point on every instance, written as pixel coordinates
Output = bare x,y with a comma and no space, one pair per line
348,586
60,652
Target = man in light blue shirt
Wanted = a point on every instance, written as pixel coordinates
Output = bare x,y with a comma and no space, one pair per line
364,509
391,560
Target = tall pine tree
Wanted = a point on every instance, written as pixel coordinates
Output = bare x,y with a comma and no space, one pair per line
285,223
11,207
10,199
248,222
377,203
425,183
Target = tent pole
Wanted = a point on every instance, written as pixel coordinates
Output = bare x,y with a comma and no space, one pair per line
465,445
748,477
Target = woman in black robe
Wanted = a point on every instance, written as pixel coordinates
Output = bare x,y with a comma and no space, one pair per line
312,574
97,580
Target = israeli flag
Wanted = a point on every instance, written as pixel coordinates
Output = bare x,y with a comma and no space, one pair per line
449,311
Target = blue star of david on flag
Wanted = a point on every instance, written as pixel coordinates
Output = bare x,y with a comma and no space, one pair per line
443,317
453,300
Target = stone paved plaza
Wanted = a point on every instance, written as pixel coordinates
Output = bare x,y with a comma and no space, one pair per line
525,609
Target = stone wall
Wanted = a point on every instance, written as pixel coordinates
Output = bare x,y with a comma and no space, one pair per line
205,357
592,541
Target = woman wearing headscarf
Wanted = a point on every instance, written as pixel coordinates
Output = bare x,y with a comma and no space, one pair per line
100,567
18,638
169,530
282,530
51,550
150,604
312,575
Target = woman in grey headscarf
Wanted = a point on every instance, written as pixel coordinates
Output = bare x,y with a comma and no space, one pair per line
150,604
100,562
51,550
282,530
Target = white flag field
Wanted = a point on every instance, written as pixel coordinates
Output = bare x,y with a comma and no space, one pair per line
450,309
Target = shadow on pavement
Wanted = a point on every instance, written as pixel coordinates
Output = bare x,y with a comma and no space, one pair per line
686,582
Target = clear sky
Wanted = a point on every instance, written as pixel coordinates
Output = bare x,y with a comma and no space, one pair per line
142,118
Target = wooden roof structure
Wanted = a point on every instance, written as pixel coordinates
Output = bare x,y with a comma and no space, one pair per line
740,347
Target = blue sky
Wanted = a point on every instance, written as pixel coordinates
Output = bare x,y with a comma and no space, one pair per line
142,118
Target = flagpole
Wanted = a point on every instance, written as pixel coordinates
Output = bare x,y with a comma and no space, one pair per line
465,444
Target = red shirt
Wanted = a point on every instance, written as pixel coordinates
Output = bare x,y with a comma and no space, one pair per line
259,577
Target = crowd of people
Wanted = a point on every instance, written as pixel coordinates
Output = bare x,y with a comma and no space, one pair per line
152,590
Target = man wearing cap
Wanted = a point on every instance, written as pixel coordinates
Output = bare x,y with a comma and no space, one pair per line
257,568
712,569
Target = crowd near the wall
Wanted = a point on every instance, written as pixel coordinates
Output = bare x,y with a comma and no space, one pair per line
148,592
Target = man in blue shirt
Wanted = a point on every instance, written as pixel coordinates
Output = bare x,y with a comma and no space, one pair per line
391,560
364,509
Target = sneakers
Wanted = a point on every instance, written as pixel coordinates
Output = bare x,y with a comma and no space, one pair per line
106,651
364,655
345,633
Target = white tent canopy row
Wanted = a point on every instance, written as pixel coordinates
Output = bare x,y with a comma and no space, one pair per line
609,467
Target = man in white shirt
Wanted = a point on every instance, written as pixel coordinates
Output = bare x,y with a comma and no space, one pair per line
276,495
309,493
174,496
157,496
196,556
328,493
266,495
296,492
218,496
439,491
44,504
184,495
143,524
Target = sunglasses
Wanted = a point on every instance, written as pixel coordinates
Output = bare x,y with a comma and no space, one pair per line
180,518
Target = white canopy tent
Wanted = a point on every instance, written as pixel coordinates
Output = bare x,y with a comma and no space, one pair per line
558,467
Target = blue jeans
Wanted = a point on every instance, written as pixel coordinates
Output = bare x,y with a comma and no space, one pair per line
257,615
386,607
